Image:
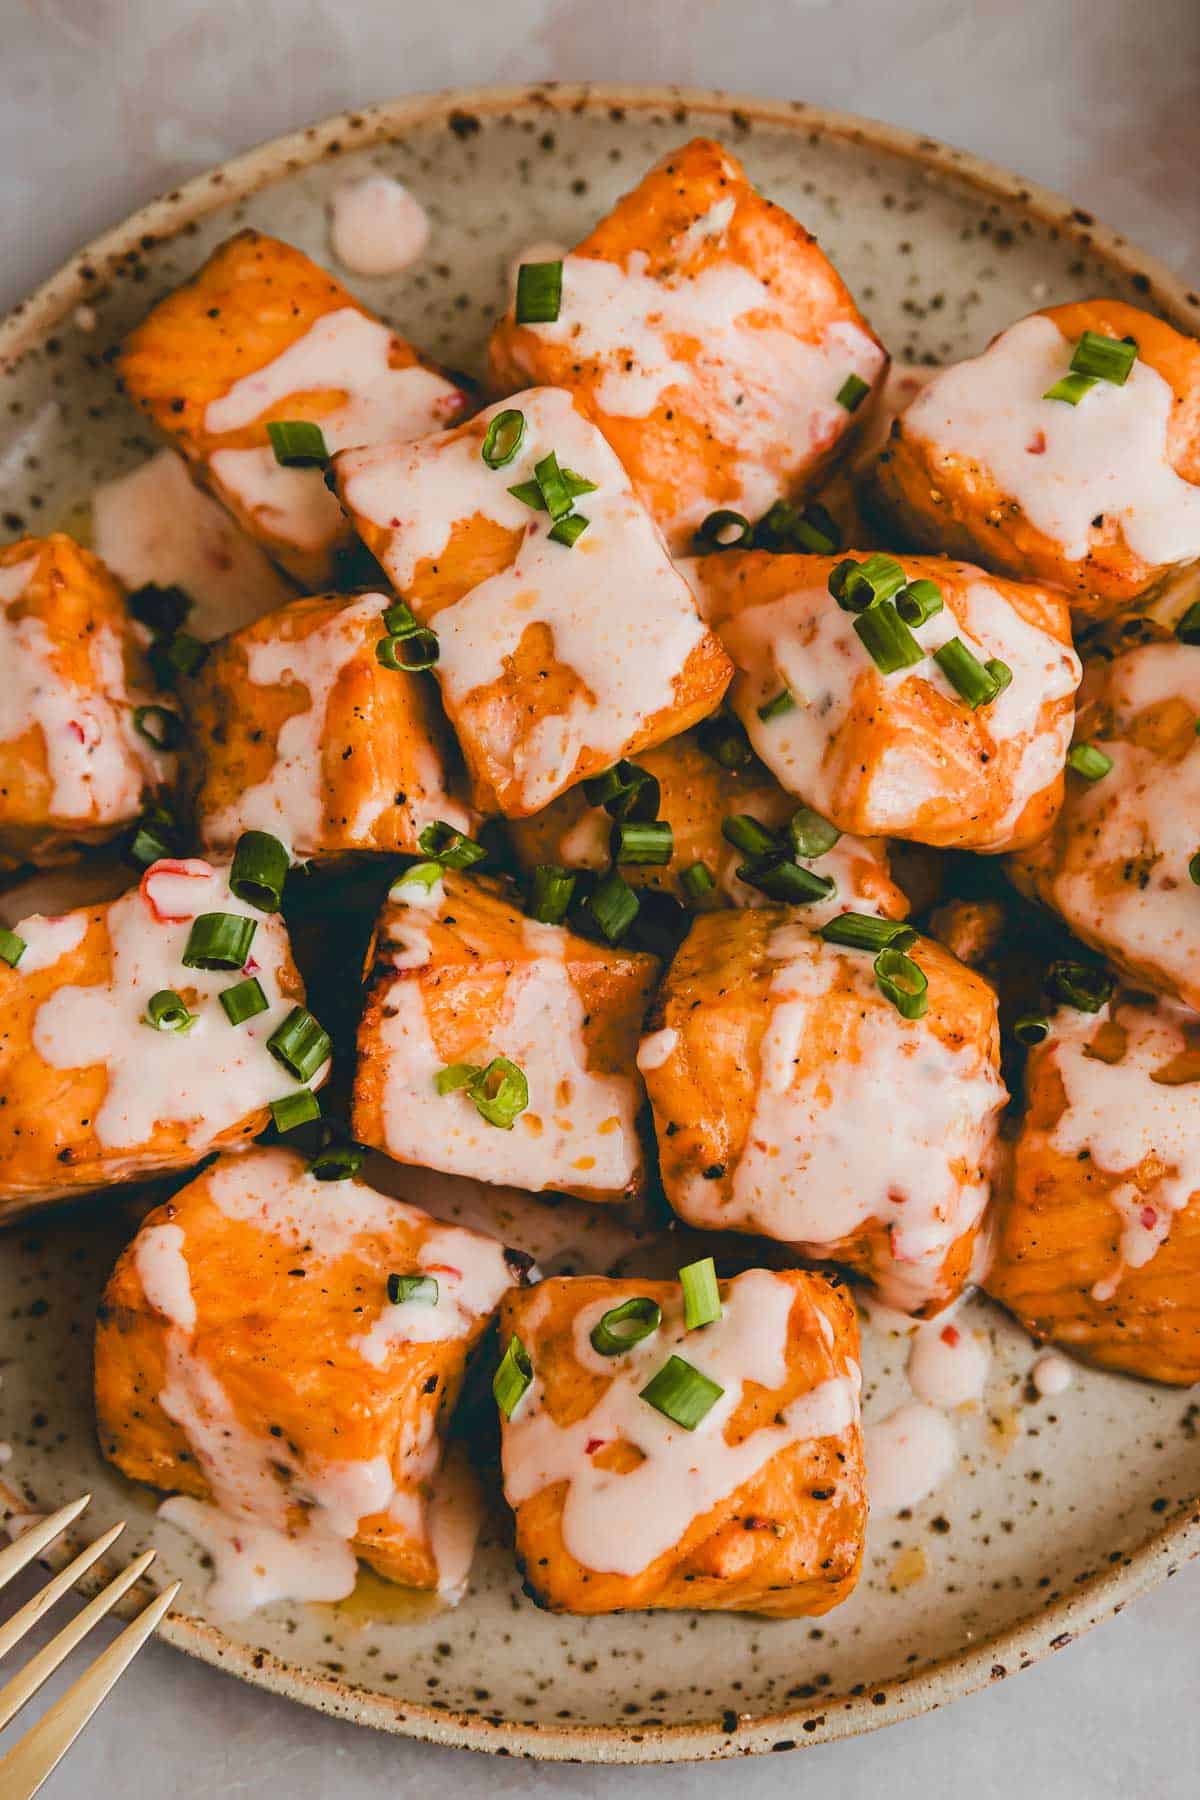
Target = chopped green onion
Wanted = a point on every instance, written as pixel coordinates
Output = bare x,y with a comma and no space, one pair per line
661,925
245,1000
774,530
783,702
966,674
1193,871
681,1393
888,640
625,791
696,881
539,293
298,443
295,1109
568,530
859,585
556,496
613,905
456,1076
1089,761
528,493
863,931
725,740
919,601
167,1012
816,530
12,947
853,392
163,609
1031,1028
1000,673
300,1044
153,837
504,438
701,1295
421,1288
354,566
449,846
184,655
642,841
260,866
725,530
1104,358
748,835
336,1162
501,1093
399,620
411,654
1080,985
788,882
219,941
1188,628
624,1326
550,893
810,835
904,983
578,484
422,874
159,726
512,1377
1071,388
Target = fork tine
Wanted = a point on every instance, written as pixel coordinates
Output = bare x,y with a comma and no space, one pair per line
14,1630
31,1543
28,1680
39,1752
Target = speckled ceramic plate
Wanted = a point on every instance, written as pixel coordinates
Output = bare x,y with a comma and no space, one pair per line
1061,1510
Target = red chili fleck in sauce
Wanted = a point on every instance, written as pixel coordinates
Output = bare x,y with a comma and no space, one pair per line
951,1335
1037,444
1148,1217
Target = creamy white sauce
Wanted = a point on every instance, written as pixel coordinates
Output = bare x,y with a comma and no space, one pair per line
657,1049
948,1364
619,614
344,352
620,1523
1107,456
376,226
47,940
580,1127
909,1454
155,525
806,643
1052,1375
207,1078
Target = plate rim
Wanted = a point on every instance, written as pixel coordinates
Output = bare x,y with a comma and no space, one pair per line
1095,1595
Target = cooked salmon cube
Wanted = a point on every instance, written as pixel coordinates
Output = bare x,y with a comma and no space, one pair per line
792,1099
756,1504
251,1360
563,645
1117,865
1097,1231
961,754
698,795
1096,492
82,732
301,731
460,978
711,339
262,334
118,1058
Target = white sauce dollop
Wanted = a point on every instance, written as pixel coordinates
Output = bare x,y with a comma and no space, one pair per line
909,1454
376,226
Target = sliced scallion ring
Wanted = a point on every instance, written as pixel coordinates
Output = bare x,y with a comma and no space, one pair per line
1031,1028
513,1377
1071,388
456,1076
625,791
1104,358
966,674
411,654
863,931
613,905
856,586
295,1109
159,726
701,1295
696,881
1193,872
810,835
300,1044
245,1000
336,1162
816,530
1089,761
788,882
550,890
539,293
260,866
1000,673
298,443
12,947
681,1393
725,530
219,941
624,1326
904,983
853,392
422,1289
749,835
167,1012
887,639
399,620
725,740
642,841
1080,985
500,1093
919,601
780,703
569,529
556,496
422,874
449,846
503,438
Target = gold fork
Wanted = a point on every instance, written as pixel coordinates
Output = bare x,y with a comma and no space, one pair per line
26,1766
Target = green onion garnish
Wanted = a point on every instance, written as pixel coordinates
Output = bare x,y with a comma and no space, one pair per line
887,638
919,601
1089,761
863,931
1104,358
336,1162
701,1295
613,905
749,836
298,443
512,1377
163,609
782,702
12,947
539,293
568,530
159,726
1193,871
184,655
1188,628
504,438
681,1392
817,531
966,674
421,1288
578,484
153,837
1031,1028
1080,985
859,585
399,620
300,1044
456,1076
530,493
295,1109
550,891
696,881
785,881
625,791
243,1001
725,740
260,866
1000,673
411,654
810,835
642,841
422,874
449,846
219,941
725,530
624,1326
904,982
167,1012
853,392
499,1093
556,496
1071,388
